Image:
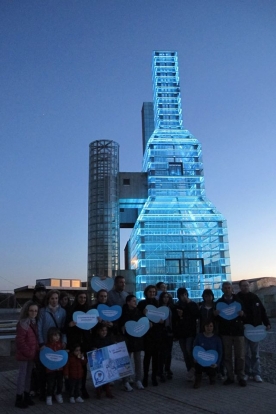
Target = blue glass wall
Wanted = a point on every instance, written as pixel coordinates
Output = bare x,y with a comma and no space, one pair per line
179,236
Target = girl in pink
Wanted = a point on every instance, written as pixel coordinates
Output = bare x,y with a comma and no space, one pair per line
27,349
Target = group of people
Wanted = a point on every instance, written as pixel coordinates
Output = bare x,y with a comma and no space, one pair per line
47,320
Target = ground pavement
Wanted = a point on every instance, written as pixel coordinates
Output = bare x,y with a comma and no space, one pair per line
173,397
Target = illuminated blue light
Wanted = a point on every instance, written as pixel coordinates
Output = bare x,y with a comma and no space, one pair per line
179,237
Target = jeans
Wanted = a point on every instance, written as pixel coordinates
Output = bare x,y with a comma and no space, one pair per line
237,342
74,387
54,378
186,345
24,376
252,358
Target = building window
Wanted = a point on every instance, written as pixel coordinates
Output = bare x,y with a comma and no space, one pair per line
126,181
173,266
175,168
195,266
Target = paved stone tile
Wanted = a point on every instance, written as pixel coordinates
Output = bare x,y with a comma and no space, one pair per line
173,397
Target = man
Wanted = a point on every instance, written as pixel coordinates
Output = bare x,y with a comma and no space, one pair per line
185,315
39,294
231,332
254,314
117,296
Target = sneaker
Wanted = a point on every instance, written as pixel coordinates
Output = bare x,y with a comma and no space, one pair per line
72,400
246,377
79,400
242,383
59,398
257,378
49,400
139,385
191,375
127,387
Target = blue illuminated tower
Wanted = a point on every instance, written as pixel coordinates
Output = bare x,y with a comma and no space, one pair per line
179,236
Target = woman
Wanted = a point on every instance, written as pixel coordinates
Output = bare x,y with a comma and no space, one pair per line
26,352
152,338
51,316
79,336
165,354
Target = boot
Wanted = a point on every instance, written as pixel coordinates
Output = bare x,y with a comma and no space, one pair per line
108,391
19,402
28,399
212,379
197,381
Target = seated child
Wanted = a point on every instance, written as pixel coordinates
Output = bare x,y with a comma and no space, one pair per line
73,372
209,341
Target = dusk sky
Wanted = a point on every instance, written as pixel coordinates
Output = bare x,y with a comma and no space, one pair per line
76,71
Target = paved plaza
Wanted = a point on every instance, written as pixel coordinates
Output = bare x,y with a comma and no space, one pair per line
173,397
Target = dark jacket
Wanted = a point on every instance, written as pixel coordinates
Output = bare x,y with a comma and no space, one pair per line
254,310
233,327
133,344
206,314
76,335
185,326
153,338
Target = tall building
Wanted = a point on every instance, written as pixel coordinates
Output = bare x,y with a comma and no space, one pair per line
178,235
103,210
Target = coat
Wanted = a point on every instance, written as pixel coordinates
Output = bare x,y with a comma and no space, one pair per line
26,341
46,320
74,367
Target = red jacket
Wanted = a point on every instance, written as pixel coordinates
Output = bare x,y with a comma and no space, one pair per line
26,341
74,367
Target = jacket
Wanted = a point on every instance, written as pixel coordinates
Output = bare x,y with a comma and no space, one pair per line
26,341
47,320
133,344
74,367
233,327
254,310
55,346
185,326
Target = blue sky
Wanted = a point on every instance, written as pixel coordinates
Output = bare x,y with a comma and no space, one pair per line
75,71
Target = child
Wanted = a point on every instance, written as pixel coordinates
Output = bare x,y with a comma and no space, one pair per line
27,349
73,371
101,340
54,378
208,341
130,312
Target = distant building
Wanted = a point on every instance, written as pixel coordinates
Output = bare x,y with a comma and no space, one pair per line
178,235
72,286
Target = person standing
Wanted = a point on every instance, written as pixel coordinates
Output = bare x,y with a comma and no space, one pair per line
27,349
254,314
231,332
185,315
118,295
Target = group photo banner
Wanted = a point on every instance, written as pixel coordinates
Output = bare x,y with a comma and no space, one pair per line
109,363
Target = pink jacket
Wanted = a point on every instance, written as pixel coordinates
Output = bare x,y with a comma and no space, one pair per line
26,341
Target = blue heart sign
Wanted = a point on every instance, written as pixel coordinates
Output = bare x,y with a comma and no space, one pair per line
97,283
86,320
156,314
228,311
109,313
53,359
205,358
255,333
138,328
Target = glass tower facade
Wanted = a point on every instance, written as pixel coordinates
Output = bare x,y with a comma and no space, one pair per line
103,210
179,236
